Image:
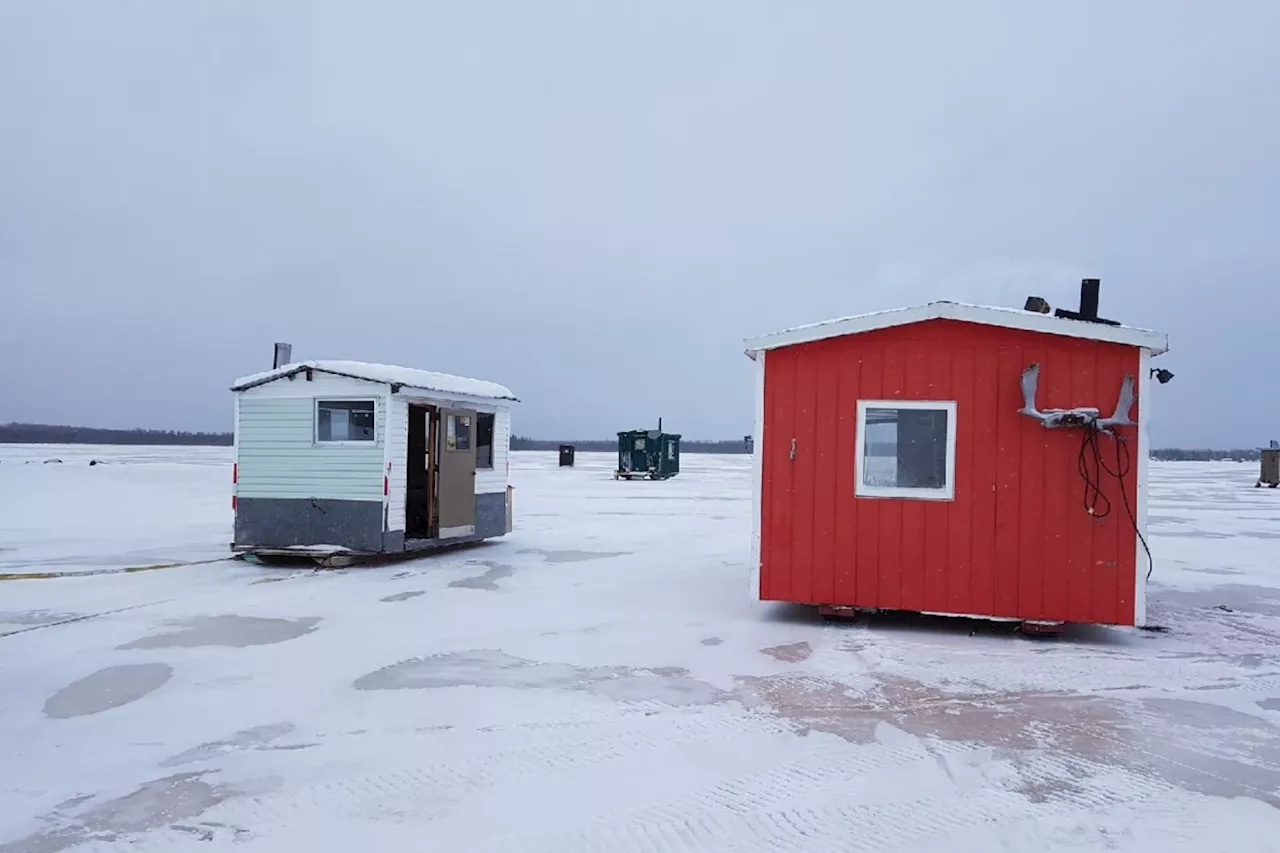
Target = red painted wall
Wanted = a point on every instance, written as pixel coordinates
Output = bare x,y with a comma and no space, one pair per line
1015,542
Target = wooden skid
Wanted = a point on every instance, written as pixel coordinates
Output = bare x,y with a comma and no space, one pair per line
345,559
1035,628
1029,627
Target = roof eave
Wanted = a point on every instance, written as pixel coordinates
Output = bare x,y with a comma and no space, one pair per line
1155,342
272,377
435,392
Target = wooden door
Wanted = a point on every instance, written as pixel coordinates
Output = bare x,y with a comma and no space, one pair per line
457,474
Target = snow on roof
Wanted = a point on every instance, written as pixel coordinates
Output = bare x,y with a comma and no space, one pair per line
1011,318
389,374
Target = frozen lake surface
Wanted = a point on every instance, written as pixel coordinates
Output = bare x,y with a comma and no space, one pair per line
600,680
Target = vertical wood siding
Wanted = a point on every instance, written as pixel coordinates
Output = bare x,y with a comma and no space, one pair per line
1016,542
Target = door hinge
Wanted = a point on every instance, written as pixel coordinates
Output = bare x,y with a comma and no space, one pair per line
793,450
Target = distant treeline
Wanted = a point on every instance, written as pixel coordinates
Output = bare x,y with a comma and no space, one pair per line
1179,454
48,434
610,445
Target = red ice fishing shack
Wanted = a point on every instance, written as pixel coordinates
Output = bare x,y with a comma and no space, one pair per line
957,459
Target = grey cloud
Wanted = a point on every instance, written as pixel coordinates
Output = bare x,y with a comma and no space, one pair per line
594,203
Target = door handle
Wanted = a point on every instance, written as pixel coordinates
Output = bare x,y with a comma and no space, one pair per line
793,450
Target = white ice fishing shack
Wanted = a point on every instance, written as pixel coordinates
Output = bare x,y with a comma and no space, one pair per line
345,456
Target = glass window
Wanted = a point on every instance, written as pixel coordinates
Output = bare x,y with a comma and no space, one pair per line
484,441
906,449
345,420
464,432
457,432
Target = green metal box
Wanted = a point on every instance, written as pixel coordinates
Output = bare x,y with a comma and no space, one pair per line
647,454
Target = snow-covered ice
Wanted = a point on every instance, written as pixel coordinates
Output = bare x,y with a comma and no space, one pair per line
601,680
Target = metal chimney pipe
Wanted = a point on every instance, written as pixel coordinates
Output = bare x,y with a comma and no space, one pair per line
283,355
1089,298
659,424
1088,305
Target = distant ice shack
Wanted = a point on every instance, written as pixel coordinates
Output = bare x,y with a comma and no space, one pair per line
346,456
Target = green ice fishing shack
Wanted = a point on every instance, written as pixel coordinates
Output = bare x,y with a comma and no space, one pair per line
647,454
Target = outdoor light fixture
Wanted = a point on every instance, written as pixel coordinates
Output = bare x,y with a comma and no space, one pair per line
1161,375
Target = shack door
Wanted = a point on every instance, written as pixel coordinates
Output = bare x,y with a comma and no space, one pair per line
457,483
420,476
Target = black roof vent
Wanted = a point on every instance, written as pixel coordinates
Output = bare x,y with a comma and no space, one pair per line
1088,305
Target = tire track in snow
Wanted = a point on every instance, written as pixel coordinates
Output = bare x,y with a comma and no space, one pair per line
437,788
757,806
773,808
804,805
902,824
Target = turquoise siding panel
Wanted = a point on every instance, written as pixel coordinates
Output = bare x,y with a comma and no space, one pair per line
278,457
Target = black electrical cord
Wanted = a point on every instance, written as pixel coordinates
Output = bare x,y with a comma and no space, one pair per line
1091,453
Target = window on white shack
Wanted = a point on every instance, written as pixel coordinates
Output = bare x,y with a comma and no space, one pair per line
345,421
484,440
906,449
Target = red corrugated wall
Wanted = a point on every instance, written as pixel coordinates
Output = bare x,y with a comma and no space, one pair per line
1016,541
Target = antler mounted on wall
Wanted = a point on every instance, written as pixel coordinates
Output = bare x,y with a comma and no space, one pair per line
1078,417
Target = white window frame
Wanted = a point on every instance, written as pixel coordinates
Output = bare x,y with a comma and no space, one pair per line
862,490
334,398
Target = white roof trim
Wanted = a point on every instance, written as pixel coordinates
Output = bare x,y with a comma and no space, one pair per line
1010,318
435,384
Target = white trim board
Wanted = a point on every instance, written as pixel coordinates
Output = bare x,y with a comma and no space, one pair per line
1010,318
389,449
235,462
862,489
757,479
1141,563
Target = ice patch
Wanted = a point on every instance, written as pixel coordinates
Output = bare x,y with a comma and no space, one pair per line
495,668
403,596
790,653
229,630
489,580
106,689
156,804
259,737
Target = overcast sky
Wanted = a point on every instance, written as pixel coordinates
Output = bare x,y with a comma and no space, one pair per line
594,202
